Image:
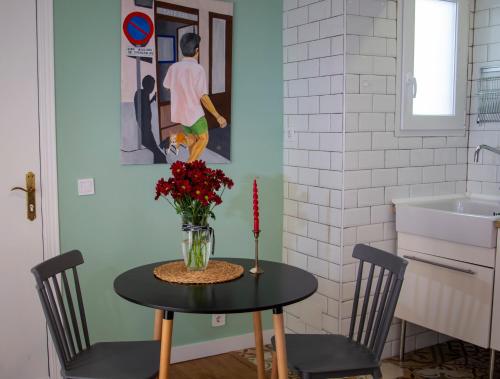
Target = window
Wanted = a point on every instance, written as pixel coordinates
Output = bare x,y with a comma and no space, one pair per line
166,49
433,66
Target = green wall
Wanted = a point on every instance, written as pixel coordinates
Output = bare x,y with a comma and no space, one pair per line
121,226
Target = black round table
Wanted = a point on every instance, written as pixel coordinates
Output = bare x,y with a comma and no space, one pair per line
278,286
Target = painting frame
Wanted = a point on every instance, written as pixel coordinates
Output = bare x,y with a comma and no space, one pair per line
153,129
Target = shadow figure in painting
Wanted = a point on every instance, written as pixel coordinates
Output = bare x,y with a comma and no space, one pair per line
142,106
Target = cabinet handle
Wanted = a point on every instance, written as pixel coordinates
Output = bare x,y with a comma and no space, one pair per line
464,270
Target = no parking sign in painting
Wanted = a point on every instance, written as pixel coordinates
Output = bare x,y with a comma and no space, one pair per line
138,28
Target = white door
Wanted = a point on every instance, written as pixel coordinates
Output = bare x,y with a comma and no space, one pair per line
23,338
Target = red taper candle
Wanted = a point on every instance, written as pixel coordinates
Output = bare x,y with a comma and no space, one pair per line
255,206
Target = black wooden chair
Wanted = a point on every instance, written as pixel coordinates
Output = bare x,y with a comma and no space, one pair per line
78,358
321,356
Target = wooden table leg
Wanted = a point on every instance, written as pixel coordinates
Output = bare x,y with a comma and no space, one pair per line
259,345
166,344
159,315
279,335
274,370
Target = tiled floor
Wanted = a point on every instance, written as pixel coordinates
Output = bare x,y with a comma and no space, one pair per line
450,360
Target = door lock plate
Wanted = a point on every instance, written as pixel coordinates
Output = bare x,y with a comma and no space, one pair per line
30,196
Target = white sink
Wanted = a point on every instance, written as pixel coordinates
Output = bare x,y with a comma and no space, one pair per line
467,219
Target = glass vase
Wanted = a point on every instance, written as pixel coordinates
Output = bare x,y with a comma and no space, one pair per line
197,246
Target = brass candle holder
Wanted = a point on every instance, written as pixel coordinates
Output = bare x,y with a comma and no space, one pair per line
256,269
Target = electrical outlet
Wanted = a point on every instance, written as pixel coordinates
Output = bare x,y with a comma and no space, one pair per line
218,320
291,135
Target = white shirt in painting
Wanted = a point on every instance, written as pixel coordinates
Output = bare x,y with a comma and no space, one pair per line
187,82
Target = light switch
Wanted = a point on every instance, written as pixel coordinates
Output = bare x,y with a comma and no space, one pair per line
86,187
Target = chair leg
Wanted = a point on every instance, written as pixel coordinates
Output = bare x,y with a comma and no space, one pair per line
377,374
274,366
402,340
492,364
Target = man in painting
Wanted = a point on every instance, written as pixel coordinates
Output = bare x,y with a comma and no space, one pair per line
187,82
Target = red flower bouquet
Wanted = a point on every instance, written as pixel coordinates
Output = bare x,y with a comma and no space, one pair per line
194,190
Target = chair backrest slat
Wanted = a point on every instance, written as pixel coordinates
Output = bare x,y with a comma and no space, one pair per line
388,315
57,318
44,299
64,316
69,300
380,310
385,297
81,309
374,306
368,290
356,300
57,301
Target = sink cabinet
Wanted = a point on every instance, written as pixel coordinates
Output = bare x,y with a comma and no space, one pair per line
452,284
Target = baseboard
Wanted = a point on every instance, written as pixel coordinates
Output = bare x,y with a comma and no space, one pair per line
216,347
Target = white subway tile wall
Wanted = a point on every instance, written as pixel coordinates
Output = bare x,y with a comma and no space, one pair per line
347,164
313,40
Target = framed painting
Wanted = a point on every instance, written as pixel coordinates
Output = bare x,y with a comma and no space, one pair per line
176,71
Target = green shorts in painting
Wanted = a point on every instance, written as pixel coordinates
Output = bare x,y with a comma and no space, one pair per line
198,128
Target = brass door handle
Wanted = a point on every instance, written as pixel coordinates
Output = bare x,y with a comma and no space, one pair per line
30,195
22,189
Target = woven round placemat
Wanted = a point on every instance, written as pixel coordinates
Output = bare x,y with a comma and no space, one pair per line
216,272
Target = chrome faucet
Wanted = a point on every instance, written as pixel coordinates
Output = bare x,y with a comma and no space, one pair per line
484,147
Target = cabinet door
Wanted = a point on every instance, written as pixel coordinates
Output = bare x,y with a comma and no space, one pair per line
495,319
448,296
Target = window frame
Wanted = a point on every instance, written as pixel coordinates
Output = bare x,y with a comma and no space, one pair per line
436,125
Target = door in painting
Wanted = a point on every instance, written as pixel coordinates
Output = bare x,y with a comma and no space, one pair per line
23,337
221,42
